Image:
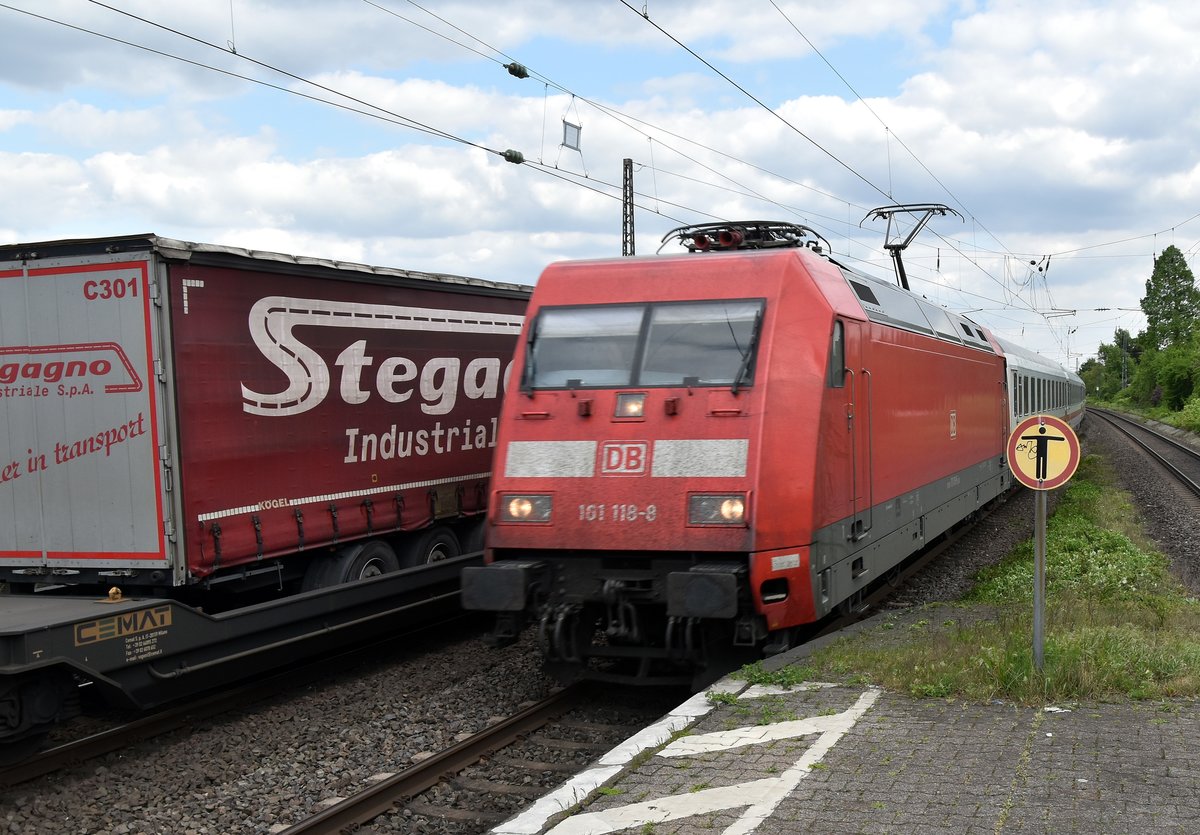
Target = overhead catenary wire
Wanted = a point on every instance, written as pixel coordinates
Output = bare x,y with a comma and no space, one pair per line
434,32
396,118
369,109
404,120
288,74
1030,304
511,60
416,125
643,14
757,101
890,133
628,120
954,246
374,111
381,114
806,214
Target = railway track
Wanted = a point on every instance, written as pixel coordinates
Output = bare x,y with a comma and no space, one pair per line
479,782
472,799
487,778
125,733
490,776
1181,460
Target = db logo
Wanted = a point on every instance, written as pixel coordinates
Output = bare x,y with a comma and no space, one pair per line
624,457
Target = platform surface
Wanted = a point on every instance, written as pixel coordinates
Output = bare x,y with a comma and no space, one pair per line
837,758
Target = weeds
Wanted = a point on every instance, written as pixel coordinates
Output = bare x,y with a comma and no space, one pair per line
1117,622
716,697
783,677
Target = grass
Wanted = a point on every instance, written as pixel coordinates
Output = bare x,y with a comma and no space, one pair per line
1117,624
1187,418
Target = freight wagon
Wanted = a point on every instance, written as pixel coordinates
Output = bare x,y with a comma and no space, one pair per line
217,426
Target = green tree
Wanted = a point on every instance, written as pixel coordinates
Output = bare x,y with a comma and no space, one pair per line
1092,373
1175,376
1115,366
1165,379
1171,303
1144,389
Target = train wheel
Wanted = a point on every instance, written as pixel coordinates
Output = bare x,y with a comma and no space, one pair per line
30,706
360,561
435,545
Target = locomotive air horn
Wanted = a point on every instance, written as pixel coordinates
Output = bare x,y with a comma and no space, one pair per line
730,237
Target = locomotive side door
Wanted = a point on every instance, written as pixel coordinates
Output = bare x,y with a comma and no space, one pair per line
857,388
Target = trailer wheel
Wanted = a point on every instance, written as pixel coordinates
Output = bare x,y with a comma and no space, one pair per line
434,545
356,562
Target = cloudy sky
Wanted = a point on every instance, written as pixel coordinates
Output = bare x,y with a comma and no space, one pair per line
1066,134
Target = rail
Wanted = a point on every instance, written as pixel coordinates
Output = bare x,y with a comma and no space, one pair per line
350,813
148,725
1181,460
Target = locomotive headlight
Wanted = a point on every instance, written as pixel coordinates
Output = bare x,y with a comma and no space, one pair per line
514,508
631,405
717,509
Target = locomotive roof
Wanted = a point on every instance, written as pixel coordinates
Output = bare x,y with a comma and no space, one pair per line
891,305
883,302
239,258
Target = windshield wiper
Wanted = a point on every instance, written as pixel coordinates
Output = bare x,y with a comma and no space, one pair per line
748,354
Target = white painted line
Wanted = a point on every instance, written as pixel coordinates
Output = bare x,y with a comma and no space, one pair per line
534,819
759,798
758,691
756,735
669,808
349,494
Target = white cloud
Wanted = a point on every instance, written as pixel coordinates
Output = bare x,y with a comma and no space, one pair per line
1054,127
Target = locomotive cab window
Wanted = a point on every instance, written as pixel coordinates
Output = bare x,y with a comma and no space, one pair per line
590,346
704,343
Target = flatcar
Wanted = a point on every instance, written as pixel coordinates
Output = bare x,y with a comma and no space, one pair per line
710,452
204,446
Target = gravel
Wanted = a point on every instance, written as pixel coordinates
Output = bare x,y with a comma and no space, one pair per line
268,766
952,575
1165,510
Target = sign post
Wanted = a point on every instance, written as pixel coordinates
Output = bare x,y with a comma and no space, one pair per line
1043,454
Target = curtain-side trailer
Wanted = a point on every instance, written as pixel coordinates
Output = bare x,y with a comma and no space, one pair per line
179,414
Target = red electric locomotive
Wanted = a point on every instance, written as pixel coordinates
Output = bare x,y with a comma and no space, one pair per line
716,450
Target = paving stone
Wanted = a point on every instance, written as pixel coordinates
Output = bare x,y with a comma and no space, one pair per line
819,760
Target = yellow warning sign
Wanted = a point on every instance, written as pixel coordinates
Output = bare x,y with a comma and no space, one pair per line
1043,452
